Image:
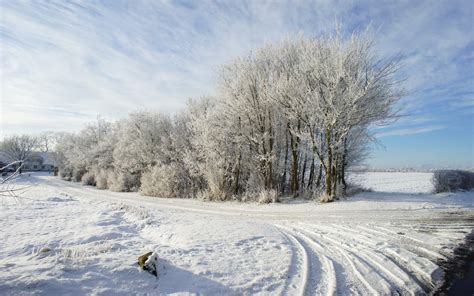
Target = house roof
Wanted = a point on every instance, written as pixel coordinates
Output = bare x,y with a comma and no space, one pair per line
48,157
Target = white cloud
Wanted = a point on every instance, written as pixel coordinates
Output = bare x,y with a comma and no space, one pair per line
111,58
409,131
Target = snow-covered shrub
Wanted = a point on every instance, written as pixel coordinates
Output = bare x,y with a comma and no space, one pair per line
161,181
324,198
254,184
452,180
65,174
122,181
88,179
263,196
113,182
268,196
311,194
101,179
212,195
77,175
215,180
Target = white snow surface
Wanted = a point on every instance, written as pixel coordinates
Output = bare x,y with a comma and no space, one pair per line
400,182
66,239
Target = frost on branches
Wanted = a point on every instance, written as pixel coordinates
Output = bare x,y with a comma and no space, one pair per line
289,118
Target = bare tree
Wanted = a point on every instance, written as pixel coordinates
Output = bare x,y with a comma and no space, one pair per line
47,141
7,186
18,148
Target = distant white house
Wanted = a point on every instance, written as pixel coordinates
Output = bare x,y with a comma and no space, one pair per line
38,161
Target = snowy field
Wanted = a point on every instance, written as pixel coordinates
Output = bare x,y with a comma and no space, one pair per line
64,238
394,182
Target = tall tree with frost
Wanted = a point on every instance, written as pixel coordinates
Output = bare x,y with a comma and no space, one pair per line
345,87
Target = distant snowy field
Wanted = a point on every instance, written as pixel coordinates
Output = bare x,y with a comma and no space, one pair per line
64,238
394,182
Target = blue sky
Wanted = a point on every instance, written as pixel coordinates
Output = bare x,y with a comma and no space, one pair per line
62,63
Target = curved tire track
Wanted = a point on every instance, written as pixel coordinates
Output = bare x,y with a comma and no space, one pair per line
312,286
399,275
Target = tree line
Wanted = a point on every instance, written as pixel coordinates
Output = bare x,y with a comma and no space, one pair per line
288,119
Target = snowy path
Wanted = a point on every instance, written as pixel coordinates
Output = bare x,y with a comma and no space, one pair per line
372,244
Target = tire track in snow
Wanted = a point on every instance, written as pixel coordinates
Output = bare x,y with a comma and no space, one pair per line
412,269
427,273
358,266
373,257
393,270
422,249
415,246
303,261
327,285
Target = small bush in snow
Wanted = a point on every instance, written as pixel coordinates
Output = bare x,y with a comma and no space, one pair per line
262,196
77,175
268,196
122,182
324,198
65,174
88,179
310,194
101,180
216,194
215,190
452,180
160,181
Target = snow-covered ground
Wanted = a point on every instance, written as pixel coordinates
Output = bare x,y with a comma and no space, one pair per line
64,238
394,182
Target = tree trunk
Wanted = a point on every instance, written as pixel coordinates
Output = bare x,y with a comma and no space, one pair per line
320,175
283,179
303,172
311,175
343,181
294,142
270,175
237,172
343,169
237,175
329,167
294,169
270,152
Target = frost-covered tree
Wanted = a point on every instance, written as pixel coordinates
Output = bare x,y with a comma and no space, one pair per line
143,142
292,113
175,176
88,151
245,104
214,150
290,118
335,87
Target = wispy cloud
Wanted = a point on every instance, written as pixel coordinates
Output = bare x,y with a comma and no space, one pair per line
409,131
113,57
